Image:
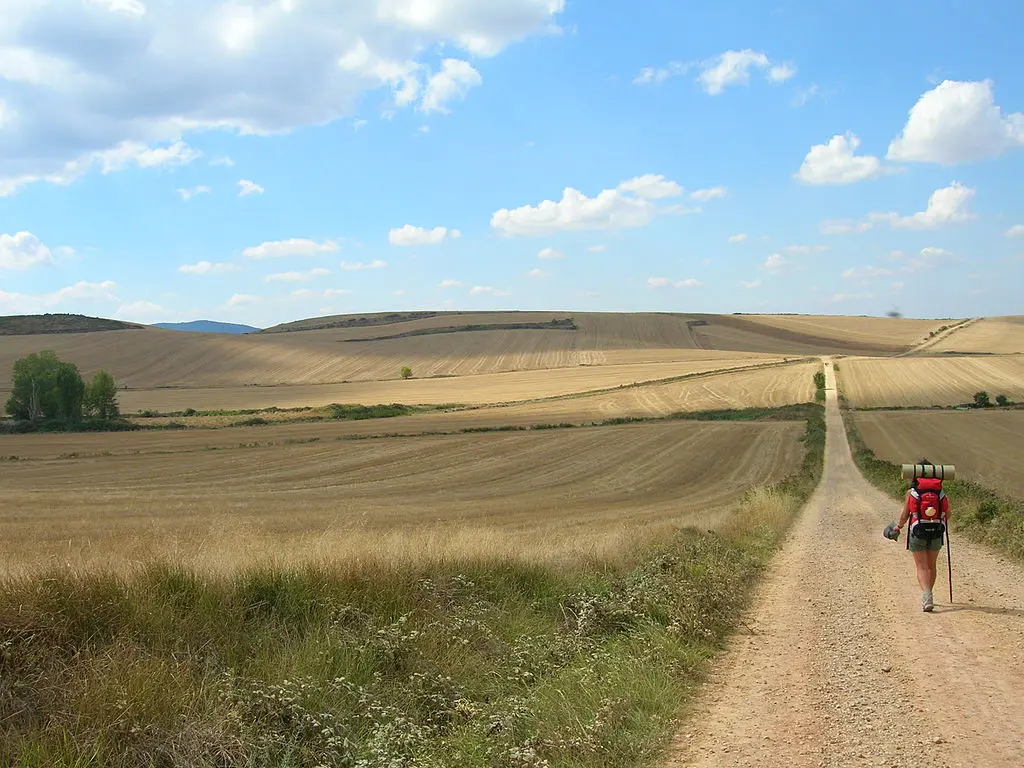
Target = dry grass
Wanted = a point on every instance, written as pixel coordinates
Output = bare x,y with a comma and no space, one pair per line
984,445
998,335
541,492
925,381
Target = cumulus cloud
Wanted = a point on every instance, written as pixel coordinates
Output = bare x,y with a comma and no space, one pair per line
658,75
23,250
664,282
949,205
242,299
225,161
1015,231
750,284
150,73
835,163
957,122
357,265
450,284
775,263
538,273
410,235
550,253
68,297
844,227
867,272
632,204
487,290
208,268
806,248
246,188
703,195
741,237
733,68
189,193
294,247
454,81
141,312
296,277
597,249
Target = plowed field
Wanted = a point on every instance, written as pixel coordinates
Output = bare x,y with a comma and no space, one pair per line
984,445
549,490
924,381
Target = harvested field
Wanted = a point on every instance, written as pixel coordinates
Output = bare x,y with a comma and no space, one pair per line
511,386
569,489
996,335
984,445
925,381
152,357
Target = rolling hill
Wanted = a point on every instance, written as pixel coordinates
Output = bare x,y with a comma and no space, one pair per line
207,326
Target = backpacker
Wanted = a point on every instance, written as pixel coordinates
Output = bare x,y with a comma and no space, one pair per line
927,508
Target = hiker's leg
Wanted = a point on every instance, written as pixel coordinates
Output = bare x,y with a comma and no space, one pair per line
925,573
933,556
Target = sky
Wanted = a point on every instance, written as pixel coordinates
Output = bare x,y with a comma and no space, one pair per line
261,162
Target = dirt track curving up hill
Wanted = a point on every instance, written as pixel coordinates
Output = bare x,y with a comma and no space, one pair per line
840,667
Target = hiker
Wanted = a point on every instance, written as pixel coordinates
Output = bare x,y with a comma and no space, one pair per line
926,508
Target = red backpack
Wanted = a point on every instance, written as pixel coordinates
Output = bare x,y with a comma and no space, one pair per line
927,509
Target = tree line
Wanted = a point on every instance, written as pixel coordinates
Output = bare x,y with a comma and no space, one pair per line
48,392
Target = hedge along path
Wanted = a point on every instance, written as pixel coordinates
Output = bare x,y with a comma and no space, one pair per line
926,381
534,494
830,671
983,444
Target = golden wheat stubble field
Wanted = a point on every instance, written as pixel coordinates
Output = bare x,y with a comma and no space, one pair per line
985,445
925,381
996,335
536,494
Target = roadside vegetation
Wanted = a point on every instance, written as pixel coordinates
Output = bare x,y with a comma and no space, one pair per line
985,515
473,661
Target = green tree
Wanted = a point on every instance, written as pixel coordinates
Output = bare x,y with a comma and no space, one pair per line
101,397
43,387
406,372
981,400
1002,400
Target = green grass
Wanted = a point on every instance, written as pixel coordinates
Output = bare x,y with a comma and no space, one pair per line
461,663
991,518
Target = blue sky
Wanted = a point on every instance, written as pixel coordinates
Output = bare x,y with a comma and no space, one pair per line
267,161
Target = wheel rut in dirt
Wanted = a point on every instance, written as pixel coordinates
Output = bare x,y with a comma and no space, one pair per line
839,666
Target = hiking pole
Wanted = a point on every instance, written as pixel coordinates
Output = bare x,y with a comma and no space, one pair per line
949,566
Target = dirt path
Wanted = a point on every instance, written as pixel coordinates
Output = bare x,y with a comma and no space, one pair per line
940,336
842,668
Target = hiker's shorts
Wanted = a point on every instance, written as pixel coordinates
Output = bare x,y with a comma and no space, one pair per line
923,545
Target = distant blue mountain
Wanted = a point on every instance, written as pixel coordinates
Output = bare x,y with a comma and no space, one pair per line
208,326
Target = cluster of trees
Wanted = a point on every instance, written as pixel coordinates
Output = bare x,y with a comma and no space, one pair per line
48,390
982,400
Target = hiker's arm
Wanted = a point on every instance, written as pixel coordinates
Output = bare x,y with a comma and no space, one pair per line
905,514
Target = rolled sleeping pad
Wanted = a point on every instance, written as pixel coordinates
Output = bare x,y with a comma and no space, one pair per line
941,471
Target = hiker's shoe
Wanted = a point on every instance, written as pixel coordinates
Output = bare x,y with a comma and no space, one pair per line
927,603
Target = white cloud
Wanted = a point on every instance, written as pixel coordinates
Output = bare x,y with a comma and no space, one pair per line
805,95
658,75
450,284
806,248
538,273
243,299
957,122
631,204
226,161
844,227
207,268
246,188
6,115
704,195
23,250
191,66
738,238
357,265
664,282
775,263
749,284
454,81
835,163
410,235
487,290
597,249
188,194
651,187
296,277
837,298
550,253
337,292
945,206
293,247
931,258
67,297
733,68
1015,231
